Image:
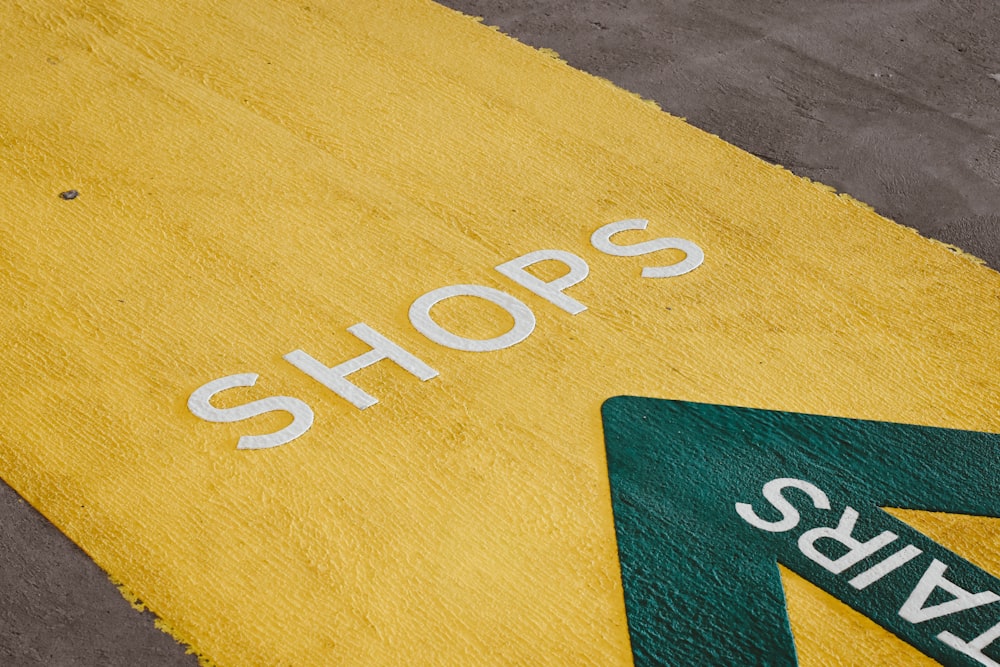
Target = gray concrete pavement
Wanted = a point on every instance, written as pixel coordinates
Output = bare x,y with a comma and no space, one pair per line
896,103
58,609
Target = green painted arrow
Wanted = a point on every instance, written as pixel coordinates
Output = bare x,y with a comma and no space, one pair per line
699,536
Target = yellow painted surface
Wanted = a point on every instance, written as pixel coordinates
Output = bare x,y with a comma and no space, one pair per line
954,530
257,176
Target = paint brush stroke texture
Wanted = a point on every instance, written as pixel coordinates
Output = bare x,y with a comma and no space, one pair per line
255,178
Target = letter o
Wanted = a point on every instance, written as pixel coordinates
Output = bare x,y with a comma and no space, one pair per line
420,318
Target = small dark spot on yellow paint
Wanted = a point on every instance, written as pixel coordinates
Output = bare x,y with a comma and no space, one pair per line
69,194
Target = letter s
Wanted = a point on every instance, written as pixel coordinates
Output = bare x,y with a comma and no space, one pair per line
601,239
789,515
200,406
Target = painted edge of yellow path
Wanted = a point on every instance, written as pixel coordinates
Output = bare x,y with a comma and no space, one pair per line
555,55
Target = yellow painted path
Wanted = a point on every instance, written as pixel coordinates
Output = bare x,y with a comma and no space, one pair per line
255,177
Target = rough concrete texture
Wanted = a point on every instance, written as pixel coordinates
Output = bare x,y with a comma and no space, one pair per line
58,609
896,103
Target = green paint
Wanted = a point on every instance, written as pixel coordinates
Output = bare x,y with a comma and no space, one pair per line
701,583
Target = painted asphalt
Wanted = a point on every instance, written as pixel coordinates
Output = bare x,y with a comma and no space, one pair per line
896,106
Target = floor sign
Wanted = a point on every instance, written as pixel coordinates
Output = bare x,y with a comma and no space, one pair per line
313,361
710,499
